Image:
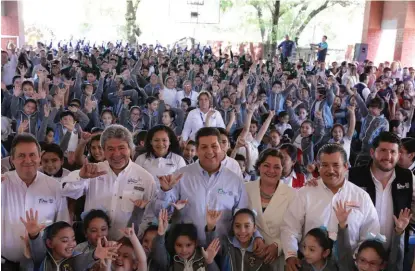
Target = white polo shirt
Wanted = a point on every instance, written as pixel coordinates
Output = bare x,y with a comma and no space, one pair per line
169,96
192,96
233,165
196,120
313,208
111,192
43,195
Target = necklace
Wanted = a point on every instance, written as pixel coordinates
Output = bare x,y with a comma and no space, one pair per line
265,196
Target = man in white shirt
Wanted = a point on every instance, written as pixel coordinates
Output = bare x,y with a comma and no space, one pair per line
22,190
391,188
8,65
112,185
313,206
227,161
187,92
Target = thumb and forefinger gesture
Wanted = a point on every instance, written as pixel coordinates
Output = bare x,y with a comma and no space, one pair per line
169,181
90,170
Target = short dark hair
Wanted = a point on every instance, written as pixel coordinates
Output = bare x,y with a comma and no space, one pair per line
332,148
140,136
30,101
23,138
408,143
181,229
151,99
187,101
386,137
240,157
52,230
363,77
67,113
323,239
376,102
54,148
96,213
375,245
28,82
264,155
191,142
223,131
283,114
207,131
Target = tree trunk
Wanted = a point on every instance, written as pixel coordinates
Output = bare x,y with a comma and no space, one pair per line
260,21
274,27
311,16
132,29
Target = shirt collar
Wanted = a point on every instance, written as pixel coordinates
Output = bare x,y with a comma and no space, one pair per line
412,166
204,172
324,266
393,176
235,242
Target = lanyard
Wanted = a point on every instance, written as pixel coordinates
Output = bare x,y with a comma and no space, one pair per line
201,117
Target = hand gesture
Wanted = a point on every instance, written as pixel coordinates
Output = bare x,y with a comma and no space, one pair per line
271,114
210,113
342,213
387,98
212,217
70,126
24,125
103,74
42,93
17,91
211,251
351,109
85,136
270,253
31,224
89,171
318,115
289,103
22,70
46,110
127,100
129,232
141,203
312,182
402,222
169,181
180,204
103,253
163,222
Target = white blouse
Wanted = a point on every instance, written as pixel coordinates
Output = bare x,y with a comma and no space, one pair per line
196,120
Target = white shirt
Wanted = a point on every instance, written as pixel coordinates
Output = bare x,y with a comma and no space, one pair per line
160,166
112,193
313,208
196,120
281,127
73,141
289,179
233,165
254,153
43,195
65,173
365,91
169,96
297,142
192,96
384,207
9,70
346,143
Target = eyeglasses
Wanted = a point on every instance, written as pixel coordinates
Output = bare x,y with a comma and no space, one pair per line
364,262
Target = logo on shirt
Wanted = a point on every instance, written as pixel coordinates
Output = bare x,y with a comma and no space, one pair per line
139,188
132,181
405,186
251,261
352,204
45,201
221,191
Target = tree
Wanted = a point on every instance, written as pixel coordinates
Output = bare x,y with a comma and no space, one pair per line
132,29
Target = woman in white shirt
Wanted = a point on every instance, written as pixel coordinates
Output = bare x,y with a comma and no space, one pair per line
162,152
197,117
270,197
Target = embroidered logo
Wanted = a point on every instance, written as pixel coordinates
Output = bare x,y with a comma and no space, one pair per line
405,186
44,201
139,188
352,204
251,261
132,181
223,192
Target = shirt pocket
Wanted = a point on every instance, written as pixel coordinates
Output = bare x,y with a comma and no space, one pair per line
46,207
127,195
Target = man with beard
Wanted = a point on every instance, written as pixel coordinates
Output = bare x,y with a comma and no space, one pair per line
115,184
313,206
390,187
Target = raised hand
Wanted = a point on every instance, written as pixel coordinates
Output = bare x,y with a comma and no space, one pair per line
342,213
127,100
103,253
180,204
163,222
210,113
71,157
169,181
141,203
42,93
24,125
271,114
33,228
90,171
210,253
129,232
70,126
46,110
212,218
103,74
17,90
402,222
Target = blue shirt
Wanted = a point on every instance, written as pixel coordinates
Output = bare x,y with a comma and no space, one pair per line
223,190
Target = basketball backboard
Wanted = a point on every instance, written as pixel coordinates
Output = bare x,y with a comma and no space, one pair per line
195,11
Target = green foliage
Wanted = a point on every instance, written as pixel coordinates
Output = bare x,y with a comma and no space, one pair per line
225,5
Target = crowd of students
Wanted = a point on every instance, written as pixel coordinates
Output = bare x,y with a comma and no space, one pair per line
142,157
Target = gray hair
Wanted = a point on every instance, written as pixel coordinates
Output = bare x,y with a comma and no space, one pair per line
6,128
118,132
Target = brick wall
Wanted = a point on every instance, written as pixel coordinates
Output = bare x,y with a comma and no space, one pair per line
404,13
10,22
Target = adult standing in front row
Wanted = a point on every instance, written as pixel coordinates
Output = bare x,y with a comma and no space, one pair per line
113,184
322,48
24,189
313,206
204,184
